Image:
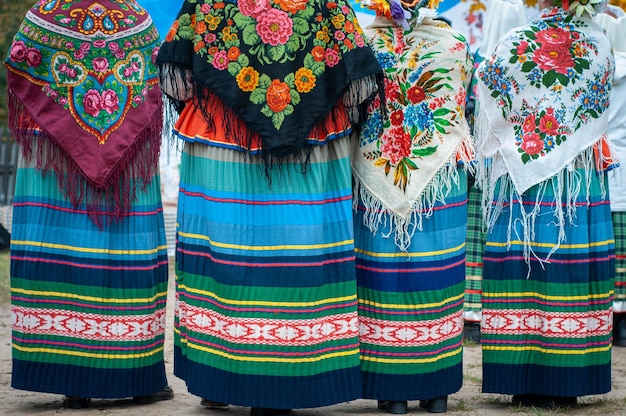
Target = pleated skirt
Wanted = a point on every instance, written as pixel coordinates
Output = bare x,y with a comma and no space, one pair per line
411,304
266,312
474,266
87,304
619,229
549,332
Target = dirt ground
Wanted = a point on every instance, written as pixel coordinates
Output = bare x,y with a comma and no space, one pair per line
468,401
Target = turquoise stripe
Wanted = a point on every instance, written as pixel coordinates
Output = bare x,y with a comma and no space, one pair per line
203,174
147,230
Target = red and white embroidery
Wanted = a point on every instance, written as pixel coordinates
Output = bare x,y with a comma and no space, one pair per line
530,322
411,333
269,331
88,325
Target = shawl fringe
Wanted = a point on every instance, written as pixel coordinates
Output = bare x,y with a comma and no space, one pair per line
104,204
378,216
566,186
179,85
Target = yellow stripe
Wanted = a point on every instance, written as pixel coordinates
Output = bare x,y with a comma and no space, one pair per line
472,305
546,297
415,307
439,357
266,303
94,299
412,254
86,249
272,359
266,248
548,350
474,278
550,245
88,354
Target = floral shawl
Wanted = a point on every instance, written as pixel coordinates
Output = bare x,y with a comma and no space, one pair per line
543,98
81,79
279,66
402,162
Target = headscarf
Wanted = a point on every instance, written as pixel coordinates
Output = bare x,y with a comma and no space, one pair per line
404,163
279,66
81,79
543,99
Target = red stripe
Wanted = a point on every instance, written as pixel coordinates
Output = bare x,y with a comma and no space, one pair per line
267,265
266,203
90,305
75,345
307,353
291,310
412,270
84,212
521,258
88,266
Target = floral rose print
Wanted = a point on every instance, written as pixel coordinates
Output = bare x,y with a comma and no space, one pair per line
553,56
107,89
275,27
92,103
228,34
100,64
278,96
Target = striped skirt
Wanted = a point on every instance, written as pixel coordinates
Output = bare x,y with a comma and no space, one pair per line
266,312
549,332
87,305
411,306
474,266
619,229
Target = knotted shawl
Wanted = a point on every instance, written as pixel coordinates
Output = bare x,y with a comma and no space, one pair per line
81,77
543,98
278,66
402,162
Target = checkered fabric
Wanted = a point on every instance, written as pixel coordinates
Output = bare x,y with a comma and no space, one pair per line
474,263
619,229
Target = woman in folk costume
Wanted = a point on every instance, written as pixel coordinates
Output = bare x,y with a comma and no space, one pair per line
549,257
266,311
501,16
613,20
88,250
411,210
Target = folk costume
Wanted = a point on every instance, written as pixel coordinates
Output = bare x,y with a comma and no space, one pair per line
266,310
614,22
549,257
88,250
411,210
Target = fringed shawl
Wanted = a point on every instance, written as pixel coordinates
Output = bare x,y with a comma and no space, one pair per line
543,98
84,100
403,164
278,66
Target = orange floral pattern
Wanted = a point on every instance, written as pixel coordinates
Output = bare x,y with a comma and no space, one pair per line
230,35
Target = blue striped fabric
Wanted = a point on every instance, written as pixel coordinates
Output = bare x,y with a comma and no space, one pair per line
550,333
267,309
88,305
411,306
